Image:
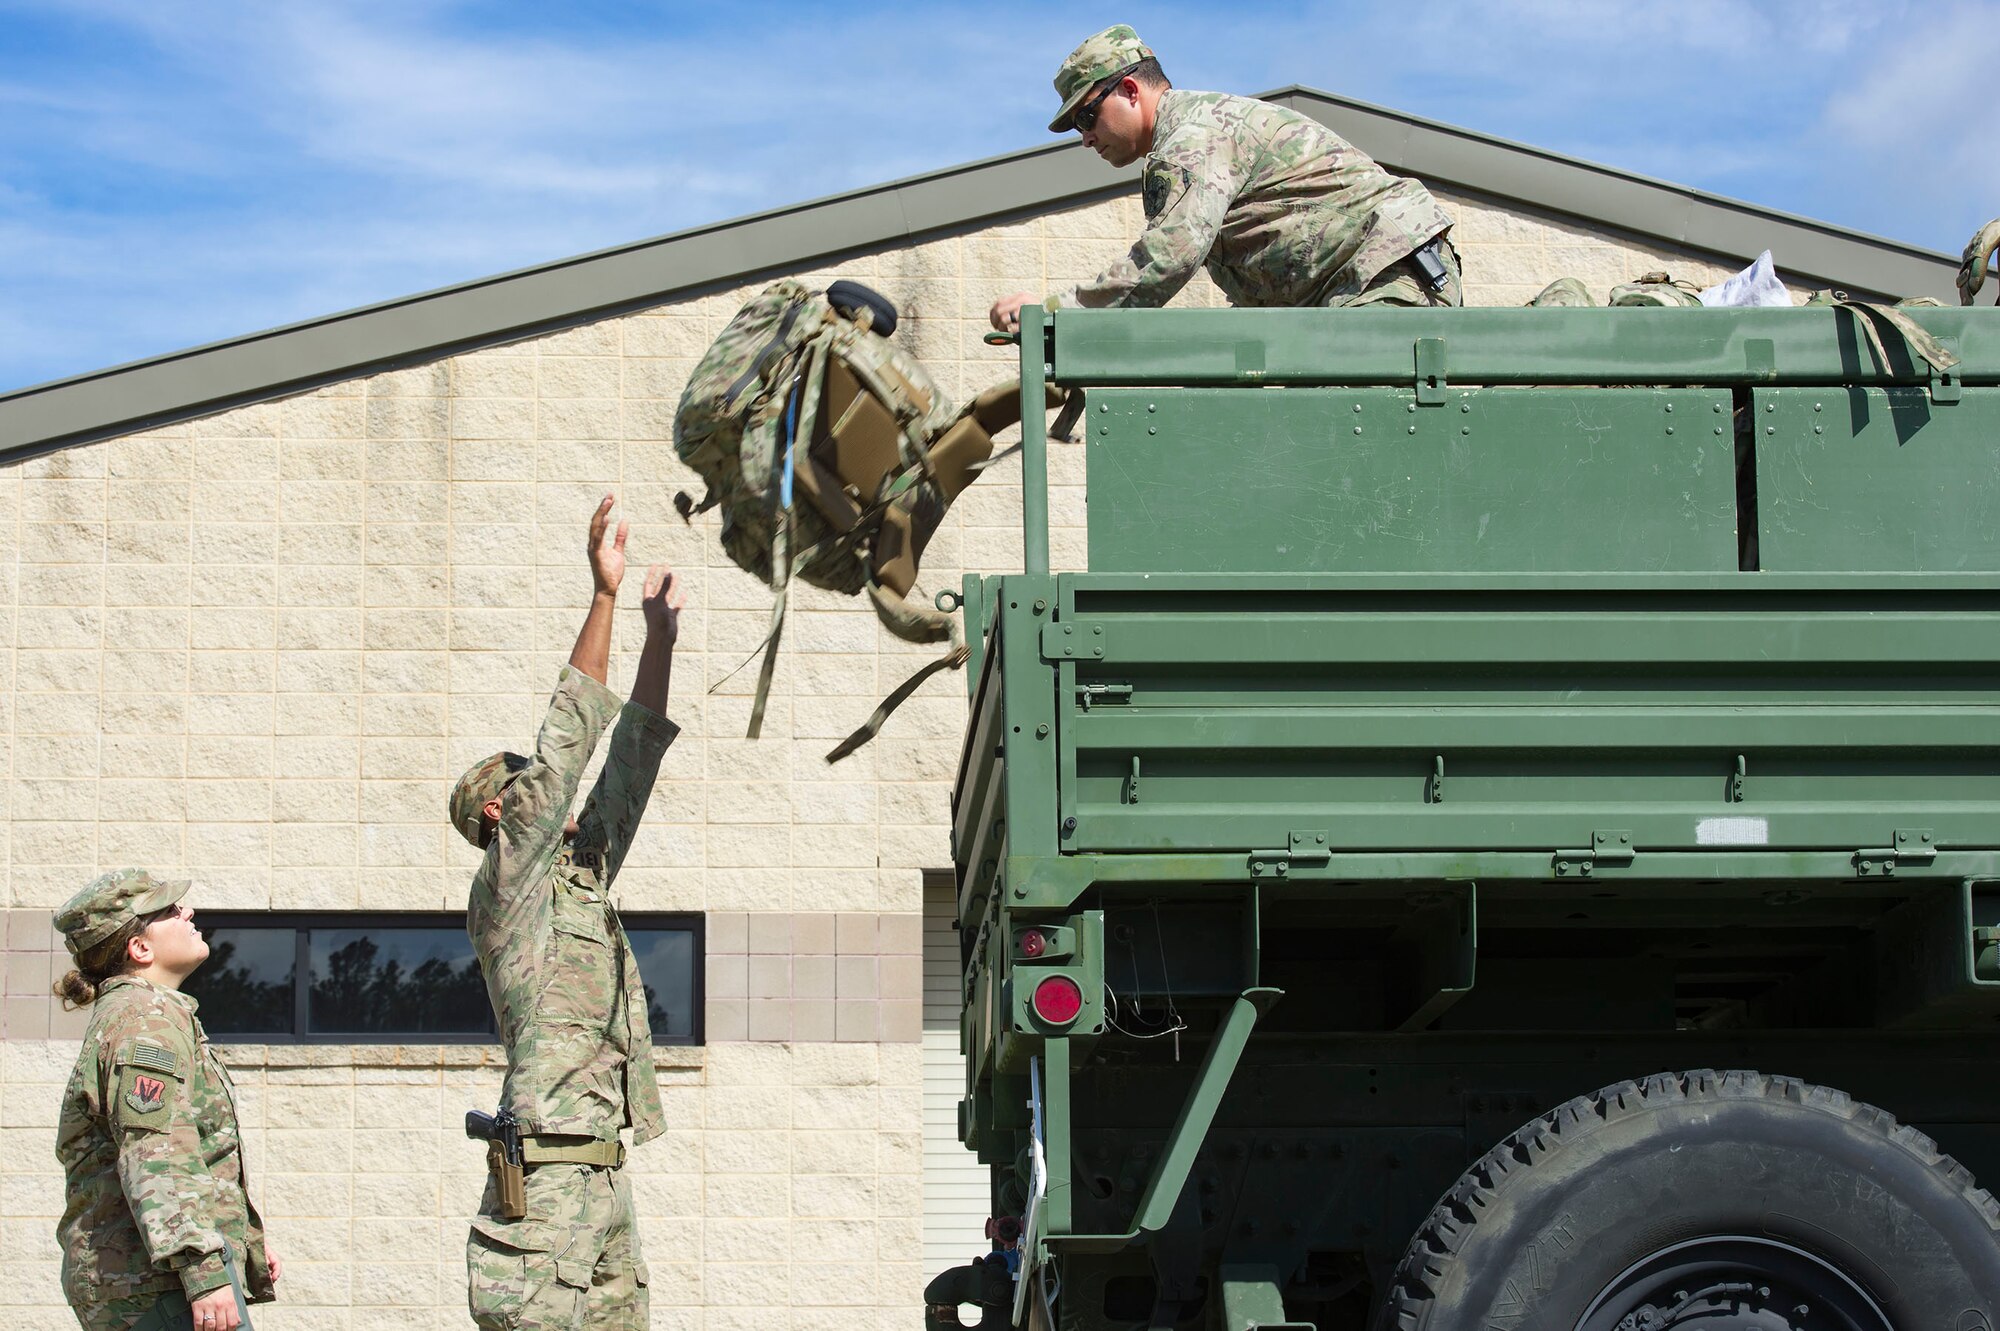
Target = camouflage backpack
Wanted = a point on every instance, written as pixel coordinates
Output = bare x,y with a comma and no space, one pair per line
1657,288
803,398
1564,293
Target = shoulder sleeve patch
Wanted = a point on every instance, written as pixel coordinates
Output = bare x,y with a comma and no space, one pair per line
153,1057
145,1099
1164,184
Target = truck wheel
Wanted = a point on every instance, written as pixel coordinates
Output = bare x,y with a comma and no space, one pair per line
1718,1201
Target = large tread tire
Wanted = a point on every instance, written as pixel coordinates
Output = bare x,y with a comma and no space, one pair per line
1545,1221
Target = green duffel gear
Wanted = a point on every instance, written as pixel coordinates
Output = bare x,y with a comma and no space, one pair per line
1564,292
1978,257
833,458
1657,288
1873,320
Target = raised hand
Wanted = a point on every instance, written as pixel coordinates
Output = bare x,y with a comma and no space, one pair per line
607,556
665,597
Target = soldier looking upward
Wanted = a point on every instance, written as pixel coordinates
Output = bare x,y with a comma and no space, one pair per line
157,1222
1280,209
560,973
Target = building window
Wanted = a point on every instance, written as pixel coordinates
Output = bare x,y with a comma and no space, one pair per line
348,978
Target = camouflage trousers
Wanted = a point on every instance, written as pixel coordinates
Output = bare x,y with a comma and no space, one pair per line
1402,283
572,1262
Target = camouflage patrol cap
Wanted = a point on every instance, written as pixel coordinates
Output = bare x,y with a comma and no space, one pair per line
1096,60
484,780
110,902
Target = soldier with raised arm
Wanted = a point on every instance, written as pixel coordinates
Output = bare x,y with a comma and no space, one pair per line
1278,208
563,1251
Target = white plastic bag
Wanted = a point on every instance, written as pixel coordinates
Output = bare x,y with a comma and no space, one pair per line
1756,285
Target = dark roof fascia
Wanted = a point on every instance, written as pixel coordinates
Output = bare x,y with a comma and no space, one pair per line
160,391
163,390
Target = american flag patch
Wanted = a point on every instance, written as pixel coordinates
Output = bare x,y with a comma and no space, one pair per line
145,1054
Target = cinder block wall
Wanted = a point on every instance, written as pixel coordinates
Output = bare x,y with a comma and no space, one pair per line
256,648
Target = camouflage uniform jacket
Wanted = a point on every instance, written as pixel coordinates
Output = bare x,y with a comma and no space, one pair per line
1282,210
151,1155
559,969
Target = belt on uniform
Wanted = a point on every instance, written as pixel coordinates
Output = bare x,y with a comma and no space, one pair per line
569,1151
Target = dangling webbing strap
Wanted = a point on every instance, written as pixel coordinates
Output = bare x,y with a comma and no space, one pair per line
806,385
951,660
1066,419
781,575
911,623
1922,345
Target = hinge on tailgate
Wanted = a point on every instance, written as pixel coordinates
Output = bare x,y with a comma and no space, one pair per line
1611,849
1304,848
1073,641
1086,694
1914,846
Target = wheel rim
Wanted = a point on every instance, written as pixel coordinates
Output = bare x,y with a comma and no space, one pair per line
1733,1284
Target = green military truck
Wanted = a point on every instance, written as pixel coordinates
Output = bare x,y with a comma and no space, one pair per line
1505,836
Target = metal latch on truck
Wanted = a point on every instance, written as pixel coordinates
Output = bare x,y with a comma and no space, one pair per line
1087,694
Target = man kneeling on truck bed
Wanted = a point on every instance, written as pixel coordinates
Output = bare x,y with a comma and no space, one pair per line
1280,209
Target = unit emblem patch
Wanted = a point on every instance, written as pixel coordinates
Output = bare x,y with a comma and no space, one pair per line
147,1094
1163,186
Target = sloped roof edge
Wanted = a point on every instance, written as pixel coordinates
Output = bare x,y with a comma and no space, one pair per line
162,390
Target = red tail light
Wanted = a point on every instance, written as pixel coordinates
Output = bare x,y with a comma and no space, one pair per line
1058,1000
1032,943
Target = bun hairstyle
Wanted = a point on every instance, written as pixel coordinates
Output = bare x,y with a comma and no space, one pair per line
78,987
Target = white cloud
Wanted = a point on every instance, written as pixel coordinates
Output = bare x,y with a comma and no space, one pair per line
1912,141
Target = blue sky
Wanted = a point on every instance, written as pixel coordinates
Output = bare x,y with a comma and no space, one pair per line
174,171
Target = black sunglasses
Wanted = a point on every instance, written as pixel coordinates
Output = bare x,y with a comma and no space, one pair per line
1085,116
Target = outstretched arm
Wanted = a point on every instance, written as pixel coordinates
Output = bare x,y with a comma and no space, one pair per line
592,653
610,817
662,606
533,809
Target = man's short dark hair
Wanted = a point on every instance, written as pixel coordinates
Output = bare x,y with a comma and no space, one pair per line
1148,74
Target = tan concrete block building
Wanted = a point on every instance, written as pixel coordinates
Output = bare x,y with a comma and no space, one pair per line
261,601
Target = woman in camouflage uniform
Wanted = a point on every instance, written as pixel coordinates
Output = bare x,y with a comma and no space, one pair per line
158,1218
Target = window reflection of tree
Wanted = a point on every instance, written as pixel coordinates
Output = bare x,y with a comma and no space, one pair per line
359,986
656,1015
357,993
234,1001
